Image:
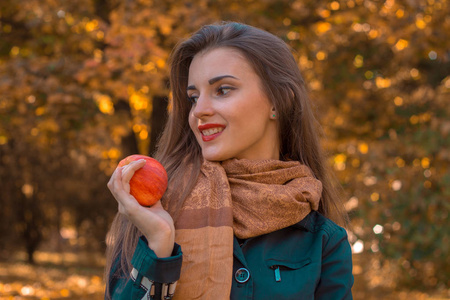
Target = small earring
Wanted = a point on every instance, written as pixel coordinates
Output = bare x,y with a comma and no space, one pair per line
273,115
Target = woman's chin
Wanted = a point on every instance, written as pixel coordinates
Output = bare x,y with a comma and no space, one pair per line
215,156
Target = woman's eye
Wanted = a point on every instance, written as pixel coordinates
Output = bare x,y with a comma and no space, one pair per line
223,90
192,99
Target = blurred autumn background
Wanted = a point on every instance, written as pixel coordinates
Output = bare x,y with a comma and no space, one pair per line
84,83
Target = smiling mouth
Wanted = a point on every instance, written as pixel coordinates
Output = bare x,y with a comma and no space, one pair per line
208,132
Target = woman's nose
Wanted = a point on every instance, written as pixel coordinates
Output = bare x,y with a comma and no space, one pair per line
203,107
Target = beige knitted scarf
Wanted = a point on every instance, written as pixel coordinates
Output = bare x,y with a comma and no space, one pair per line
245,198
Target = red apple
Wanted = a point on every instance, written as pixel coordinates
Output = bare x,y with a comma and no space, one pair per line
149,183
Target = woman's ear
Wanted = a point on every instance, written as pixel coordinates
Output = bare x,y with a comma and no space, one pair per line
273,113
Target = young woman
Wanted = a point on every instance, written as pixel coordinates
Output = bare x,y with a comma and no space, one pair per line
248,210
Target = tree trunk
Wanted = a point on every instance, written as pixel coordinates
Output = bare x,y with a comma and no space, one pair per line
129,143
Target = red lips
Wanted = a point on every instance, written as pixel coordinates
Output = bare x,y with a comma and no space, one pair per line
207,138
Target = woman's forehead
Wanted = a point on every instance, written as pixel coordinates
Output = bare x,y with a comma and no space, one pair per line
218,62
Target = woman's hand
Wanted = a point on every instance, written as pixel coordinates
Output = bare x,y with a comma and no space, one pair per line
154,222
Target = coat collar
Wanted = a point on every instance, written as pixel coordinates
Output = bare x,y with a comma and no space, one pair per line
308,223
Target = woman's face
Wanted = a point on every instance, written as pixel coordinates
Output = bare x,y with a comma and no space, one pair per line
231,116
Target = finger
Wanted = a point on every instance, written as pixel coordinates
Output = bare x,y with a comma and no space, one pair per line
127,174
111,179
116,181
126,202
136,165
130,169
122,186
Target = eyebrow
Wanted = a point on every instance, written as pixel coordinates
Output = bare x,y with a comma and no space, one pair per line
212,81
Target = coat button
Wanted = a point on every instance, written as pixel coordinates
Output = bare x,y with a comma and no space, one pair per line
242,275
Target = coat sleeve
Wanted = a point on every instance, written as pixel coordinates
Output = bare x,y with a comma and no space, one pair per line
151,276
336,278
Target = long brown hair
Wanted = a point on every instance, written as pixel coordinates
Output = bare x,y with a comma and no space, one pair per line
179,151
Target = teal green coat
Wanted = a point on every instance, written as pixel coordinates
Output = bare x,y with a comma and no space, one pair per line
309,260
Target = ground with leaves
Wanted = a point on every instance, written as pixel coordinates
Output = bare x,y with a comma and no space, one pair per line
54,276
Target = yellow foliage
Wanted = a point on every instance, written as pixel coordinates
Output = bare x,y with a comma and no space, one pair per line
389,4
400,162
375,197
425,162
69,19
401,44
137,127
96,280
104,104
446,82
414,119
356,162
427,18
358,62
322,27
305,63
139,101
335,5
415,74
315,85
100,35
40,111
286,21
91,25
339,120
400,13
363,148
425,117
340,158
324,13
420,23
292,35
87,46
416,162
368,74
321,55
161,63
143,134
398,101
65,293
114,153
149,67
382,83
98,55
373,34
14,51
